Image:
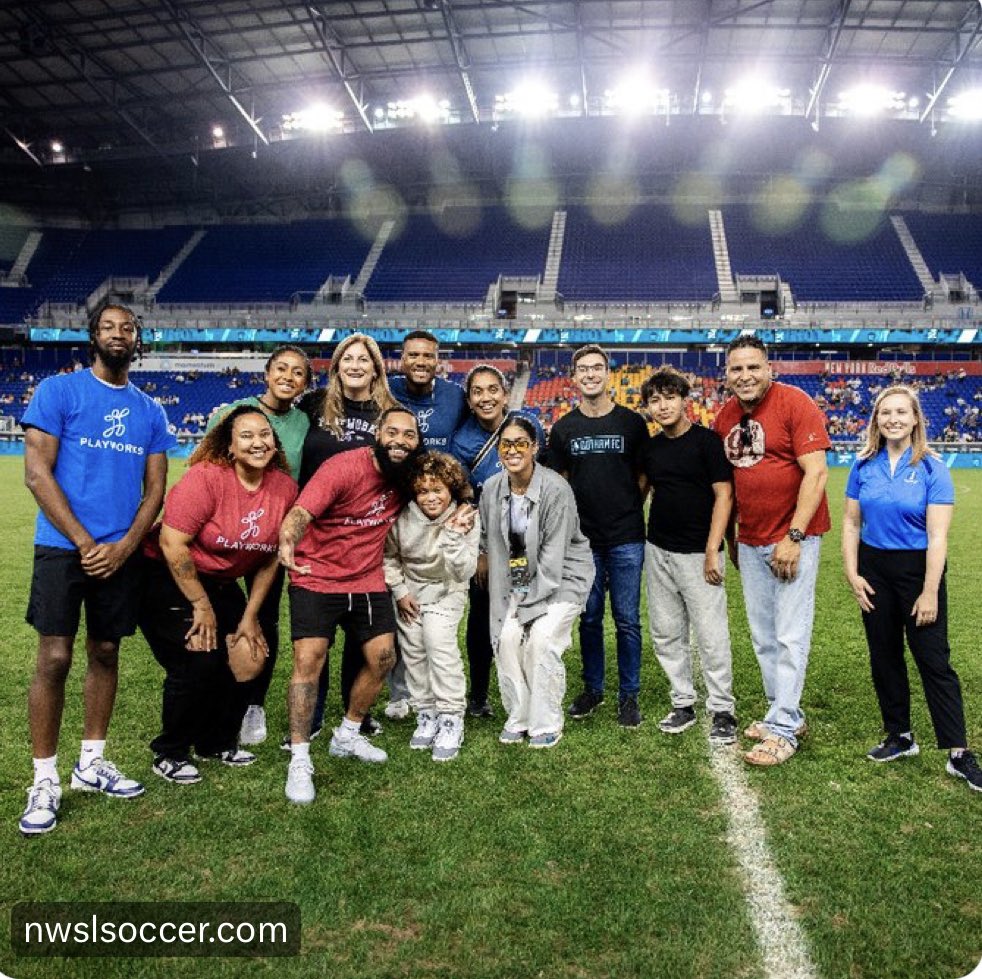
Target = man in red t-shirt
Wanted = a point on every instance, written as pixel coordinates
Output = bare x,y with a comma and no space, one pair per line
332,543
775,437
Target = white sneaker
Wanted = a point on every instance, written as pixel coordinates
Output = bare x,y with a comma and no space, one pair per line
103,776
426,727
300,781
397,710
355,746
449,737
253,730
41,814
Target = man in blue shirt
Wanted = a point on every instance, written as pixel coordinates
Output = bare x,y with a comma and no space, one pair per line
96,462
440,408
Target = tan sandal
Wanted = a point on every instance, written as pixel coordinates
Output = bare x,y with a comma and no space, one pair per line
758,732
773,750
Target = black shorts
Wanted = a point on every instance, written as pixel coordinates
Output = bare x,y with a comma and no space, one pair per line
59,589
363,615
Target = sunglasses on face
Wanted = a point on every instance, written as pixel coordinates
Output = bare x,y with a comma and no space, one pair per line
518,445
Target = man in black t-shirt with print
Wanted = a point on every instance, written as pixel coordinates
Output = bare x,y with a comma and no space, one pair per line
597,447
687,468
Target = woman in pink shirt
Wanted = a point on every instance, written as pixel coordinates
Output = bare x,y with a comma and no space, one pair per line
221,522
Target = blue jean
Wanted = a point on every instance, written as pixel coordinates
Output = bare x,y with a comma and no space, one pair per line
619,571
780,614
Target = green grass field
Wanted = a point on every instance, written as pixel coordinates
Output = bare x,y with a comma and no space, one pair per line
604,857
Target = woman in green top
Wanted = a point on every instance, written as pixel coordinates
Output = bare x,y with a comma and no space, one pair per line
288,375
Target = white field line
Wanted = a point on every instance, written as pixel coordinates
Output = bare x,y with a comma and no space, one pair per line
782,944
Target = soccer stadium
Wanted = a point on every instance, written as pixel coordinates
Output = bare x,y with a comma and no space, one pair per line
516,180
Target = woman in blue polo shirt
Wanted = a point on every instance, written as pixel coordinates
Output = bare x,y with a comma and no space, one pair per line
899,501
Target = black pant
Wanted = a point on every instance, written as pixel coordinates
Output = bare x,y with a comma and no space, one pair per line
897,578
255,690
479,652
202,704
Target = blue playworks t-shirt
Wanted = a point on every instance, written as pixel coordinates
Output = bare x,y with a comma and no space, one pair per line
894,507
471,438
439,414
105,434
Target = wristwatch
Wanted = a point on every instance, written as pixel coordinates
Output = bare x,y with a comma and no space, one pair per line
797,536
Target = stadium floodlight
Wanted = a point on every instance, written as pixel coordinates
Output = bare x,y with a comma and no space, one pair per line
316,118
635,95
423,107
755,95
966,105
217,132
57,147
871,100
532,98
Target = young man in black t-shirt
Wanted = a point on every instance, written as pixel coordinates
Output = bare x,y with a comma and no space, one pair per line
687,469
597,447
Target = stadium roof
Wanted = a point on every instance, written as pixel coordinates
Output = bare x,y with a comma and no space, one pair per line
134,80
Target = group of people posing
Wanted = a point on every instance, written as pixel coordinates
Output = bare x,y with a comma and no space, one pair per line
392,509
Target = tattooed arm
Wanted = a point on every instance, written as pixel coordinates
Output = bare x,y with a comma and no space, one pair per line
203,634
291,530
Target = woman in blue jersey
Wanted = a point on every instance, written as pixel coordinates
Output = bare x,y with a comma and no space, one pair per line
475,446
899,502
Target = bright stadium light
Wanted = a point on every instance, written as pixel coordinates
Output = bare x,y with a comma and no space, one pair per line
316,118
754,95
423,107
532,99
635,95
871,100
966,105
217,132
57,147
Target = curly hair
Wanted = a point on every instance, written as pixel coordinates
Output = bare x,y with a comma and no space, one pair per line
332,408
445,469
217,443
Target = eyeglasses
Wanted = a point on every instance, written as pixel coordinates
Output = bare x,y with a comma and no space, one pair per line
746,436
518,445
591,368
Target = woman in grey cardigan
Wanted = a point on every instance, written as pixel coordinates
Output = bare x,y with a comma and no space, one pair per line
539,570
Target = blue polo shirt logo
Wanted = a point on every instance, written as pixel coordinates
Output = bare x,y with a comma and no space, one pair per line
911,477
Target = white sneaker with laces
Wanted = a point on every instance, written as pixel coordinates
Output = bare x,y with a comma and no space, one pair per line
426,727
449,737
253,730
300,781
103,776
397,710
41,814
357,746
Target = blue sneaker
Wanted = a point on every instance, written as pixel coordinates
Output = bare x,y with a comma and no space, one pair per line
103,776
548,740
41,814
511,737
892,747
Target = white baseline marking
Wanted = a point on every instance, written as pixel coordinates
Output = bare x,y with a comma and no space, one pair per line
782,944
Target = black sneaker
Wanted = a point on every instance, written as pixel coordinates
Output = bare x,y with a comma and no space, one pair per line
679,719
285,743
370,727
585,704
967,767
892,747
724,729
628,714
479,708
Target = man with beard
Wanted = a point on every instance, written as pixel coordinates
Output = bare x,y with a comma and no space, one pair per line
332,543
96,462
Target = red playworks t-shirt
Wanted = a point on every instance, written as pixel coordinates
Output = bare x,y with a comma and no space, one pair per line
766,475
353,507
235,530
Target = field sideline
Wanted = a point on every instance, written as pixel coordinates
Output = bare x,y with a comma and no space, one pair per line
605,857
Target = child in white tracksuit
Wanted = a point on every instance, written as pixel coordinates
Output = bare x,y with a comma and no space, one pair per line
430,556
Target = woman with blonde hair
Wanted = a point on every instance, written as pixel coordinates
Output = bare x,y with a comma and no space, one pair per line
344,415
899,502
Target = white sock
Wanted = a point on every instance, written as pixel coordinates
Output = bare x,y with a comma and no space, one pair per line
349,728
90,751
46,768
301,750
953,753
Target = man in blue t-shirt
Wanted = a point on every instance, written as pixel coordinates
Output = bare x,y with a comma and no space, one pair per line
96,462
440,408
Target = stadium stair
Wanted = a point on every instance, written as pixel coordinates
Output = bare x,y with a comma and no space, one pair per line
921,270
